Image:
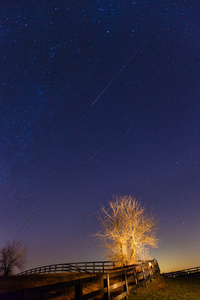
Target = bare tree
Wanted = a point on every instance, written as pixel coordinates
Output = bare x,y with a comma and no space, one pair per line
128,231
12,256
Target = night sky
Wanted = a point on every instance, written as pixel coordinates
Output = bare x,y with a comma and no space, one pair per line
99,98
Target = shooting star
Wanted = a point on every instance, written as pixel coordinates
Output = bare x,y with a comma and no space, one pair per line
27,224
95,154
124,66
95,212
129,128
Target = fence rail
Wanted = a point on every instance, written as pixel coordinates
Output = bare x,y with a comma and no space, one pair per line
113,285
182,272
86,267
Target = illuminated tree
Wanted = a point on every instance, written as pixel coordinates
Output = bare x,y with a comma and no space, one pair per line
12,256
128,230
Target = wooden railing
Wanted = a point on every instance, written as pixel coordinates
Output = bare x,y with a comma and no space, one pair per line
113,285
182,272
86,267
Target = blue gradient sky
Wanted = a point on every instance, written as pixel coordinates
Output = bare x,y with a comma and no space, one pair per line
78,128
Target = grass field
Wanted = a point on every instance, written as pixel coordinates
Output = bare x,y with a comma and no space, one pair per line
179,288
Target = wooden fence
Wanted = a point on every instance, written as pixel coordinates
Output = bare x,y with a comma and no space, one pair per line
86,267
182,272
113,285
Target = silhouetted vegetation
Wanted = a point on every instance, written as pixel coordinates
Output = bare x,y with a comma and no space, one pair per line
12,256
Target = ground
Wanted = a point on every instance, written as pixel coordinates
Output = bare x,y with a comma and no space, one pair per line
179,288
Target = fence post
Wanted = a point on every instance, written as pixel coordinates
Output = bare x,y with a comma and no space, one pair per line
69,267
124,278
144,275
107,285
103,267
156,266
93,267
136,279
79,290
25,294
150,272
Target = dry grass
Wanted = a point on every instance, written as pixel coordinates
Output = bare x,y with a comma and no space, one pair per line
179,288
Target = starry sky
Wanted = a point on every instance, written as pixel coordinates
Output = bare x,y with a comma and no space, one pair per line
99,98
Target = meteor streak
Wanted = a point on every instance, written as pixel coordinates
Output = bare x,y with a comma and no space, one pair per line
129,128
27,224
123,67
95,212
95,154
